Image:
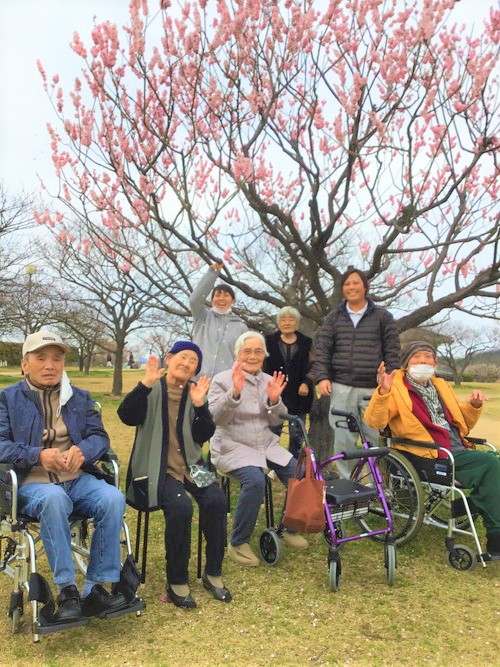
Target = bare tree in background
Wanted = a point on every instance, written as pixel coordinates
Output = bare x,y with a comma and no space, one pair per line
107,286
460,344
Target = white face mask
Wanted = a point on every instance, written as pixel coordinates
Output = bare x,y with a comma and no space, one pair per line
421,372
222,312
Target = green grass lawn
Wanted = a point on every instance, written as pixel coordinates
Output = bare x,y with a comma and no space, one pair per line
286,615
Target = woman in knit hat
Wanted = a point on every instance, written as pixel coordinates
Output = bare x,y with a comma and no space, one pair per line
172,418
417,405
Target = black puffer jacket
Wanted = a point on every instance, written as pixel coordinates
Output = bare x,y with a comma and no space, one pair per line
351,355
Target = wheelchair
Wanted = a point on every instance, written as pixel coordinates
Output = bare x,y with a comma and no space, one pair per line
22,546
424,491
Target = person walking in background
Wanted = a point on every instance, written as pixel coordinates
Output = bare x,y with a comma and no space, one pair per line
215,329
354,339
290,353
131,360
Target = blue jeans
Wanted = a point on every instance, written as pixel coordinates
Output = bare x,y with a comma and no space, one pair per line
251,496
52,504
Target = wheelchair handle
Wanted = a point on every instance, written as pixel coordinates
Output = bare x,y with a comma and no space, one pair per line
288,417
341,413
366,453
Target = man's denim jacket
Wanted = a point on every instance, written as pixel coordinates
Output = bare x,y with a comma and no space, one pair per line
22,425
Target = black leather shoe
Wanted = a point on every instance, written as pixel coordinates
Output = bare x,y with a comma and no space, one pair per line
186,601
218,593
68,606
100,602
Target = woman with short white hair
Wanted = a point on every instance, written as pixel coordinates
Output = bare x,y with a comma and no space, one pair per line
245,403
289,352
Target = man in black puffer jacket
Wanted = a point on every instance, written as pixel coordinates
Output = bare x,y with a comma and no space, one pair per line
354,339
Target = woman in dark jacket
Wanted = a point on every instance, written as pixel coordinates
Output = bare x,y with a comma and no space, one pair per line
290,353
173,421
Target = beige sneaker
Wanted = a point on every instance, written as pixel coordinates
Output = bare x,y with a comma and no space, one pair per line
295,541
243,555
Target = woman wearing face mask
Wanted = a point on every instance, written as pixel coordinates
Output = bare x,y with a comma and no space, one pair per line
417,405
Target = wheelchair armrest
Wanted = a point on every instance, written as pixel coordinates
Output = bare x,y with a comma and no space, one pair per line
476,441
107,457
414,443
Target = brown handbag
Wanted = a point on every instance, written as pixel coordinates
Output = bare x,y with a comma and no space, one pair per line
305,497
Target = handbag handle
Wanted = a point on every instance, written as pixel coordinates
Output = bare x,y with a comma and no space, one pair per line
305,453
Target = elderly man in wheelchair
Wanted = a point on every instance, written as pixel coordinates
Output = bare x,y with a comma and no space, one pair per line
50,433
418,406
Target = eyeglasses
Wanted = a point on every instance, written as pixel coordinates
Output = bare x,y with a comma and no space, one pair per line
256,353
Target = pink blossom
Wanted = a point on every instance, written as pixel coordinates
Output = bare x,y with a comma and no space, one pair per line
77,46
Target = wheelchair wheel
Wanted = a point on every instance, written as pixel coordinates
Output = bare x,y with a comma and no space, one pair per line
270,546
16,620
16,610
461,558
390,563
405,497
334,575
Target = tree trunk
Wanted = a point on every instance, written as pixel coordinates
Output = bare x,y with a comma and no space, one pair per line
80,361
88,359
118,369
320,432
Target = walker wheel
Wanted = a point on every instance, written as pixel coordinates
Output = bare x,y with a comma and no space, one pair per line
390,563
461,558
334,575
340,532
270,546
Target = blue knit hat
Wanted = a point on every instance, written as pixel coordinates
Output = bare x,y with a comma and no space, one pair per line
181,345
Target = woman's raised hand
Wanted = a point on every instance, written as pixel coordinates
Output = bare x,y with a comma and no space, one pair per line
238,376
199,390
153,371
275,387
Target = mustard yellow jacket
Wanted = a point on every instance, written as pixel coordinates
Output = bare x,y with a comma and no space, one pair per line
395,410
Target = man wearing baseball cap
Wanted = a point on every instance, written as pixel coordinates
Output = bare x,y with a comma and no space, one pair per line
417,405
49,430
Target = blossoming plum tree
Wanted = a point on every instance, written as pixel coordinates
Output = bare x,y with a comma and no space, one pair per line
290,139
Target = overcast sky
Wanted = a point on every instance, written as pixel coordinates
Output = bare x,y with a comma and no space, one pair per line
43,29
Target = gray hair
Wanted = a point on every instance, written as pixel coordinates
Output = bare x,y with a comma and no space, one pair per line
290,311
240,341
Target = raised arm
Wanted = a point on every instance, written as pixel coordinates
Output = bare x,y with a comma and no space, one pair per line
202,290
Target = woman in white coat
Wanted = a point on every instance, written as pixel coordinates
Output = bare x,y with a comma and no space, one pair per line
244,403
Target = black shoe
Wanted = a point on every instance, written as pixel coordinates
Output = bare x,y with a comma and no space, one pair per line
68,606
186,601
491,555
218,593
100,602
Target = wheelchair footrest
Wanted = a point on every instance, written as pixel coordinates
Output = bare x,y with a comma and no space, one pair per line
347,492
42,628
136,605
